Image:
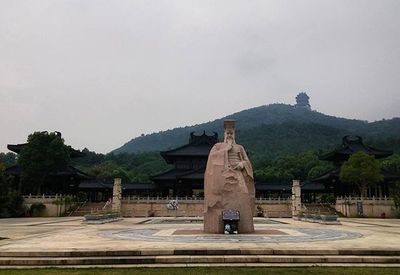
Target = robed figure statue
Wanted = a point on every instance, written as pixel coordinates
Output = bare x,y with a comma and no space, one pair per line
228,184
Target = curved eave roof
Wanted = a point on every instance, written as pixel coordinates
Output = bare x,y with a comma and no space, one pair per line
176,174
345,153
188,150
334,174
328,176
16,148
198,146
100,184
68,171
305,186
350,147
168,175
73,172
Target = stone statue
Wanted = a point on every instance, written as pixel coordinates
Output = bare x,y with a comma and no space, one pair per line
228,184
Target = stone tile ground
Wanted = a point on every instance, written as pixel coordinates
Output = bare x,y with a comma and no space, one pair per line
66,234
47,242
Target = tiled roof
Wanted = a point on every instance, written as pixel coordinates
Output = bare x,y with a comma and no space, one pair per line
16,148
108,184
351,145
334,174
69,170
305,186
176,174
198,146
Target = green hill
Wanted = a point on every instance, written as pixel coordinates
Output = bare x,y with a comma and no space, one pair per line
282,142
274,129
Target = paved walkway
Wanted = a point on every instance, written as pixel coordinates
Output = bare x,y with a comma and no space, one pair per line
70,234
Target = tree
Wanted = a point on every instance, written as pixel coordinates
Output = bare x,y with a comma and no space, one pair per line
392,165
8,159
300,166
11,204
362,170
319,170
45,153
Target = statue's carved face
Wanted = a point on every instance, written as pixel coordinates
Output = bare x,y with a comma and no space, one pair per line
229,135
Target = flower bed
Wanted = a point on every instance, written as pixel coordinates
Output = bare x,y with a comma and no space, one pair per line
102,218
317,218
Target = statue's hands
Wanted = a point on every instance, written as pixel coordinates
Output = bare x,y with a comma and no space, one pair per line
239,166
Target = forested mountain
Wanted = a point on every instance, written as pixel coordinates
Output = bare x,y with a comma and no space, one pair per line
274,129
282,142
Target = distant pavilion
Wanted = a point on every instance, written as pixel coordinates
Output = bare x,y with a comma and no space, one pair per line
302,101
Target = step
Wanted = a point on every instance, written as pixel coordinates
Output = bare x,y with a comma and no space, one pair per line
200,252
197,259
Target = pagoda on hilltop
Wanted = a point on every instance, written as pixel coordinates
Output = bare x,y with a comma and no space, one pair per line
189,163
351,145
302,101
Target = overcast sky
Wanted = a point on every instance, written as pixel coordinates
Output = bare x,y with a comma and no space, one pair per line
103,72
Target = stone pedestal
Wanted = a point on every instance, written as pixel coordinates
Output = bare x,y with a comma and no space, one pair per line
296,198
117,195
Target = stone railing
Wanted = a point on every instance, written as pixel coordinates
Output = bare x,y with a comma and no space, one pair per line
193,206
54,197
55,204
134,199
274,200
374,207
364,199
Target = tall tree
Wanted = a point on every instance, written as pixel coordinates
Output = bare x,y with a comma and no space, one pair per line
362,170
11,204
392,165
45,153
8,159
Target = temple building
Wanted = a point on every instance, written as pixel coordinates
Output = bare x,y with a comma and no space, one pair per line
98,190
349,146
309,190
302,101
186,178
63,181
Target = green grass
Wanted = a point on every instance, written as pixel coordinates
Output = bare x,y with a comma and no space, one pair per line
209,270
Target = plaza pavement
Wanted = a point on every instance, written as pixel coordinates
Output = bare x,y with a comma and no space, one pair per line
61,237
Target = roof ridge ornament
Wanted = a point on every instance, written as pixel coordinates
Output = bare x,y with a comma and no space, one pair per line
352,139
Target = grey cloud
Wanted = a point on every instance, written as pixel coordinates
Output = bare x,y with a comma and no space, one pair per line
103,72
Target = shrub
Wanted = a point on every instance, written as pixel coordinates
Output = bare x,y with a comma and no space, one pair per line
36,209
81,197
260,211
328,198
397,213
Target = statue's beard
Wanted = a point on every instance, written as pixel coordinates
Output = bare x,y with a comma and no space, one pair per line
230,141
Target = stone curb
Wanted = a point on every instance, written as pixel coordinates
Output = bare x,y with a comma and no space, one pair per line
204,259
205,265
193,252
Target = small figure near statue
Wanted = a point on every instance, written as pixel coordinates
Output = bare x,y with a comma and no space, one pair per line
108,204
228,184
172,205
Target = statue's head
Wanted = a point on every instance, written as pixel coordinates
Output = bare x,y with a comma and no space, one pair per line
229,131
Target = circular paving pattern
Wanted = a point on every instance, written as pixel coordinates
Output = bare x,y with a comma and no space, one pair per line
295,235
200,221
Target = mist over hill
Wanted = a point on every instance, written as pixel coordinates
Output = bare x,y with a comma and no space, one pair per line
273,129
